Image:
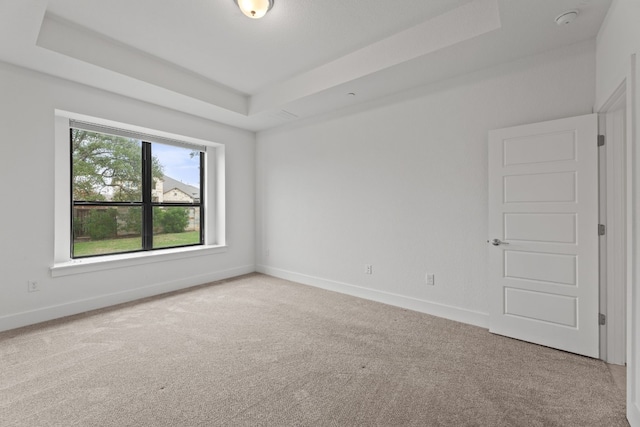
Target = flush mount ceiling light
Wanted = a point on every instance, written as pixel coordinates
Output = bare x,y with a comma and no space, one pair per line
254,8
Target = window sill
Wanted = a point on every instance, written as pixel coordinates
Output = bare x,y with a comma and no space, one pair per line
108,262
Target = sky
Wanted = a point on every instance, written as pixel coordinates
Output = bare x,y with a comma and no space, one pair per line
178,163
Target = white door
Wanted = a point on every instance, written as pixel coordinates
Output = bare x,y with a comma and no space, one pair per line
543,233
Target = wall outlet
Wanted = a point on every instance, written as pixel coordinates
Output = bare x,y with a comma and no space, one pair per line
431,279
267,252
32,286
368,269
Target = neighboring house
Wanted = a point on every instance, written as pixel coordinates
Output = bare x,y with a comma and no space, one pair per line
172,190
169,190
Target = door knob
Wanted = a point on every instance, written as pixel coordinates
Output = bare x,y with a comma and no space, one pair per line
497,242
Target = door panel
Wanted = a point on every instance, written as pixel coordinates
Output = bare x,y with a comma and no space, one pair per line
543,187
543,207
539,148
557,269
541,306
540,227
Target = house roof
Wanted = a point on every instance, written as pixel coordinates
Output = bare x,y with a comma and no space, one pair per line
171,183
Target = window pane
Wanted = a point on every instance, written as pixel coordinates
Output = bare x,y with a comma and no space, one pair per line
106,167
99,230
175,226
180,179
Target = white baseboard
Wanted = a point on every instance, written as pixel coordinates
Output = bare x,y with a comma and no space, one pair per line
31,317
435,309
633,414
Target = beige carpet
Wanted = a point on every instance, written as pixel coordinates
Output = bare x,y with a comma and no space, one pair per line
263,351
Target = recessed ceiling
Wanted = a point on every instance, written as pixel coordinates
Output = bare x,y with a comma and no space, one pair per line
206,58
214,39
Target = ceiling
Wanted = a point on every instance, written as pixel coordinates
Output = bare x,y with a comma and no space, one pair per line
304,58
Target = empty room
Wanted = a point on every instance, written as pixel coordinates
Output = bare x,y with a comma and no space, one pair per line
338,212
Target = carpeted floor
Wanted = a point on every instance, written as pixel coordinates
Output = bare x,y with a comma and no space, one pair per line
263,351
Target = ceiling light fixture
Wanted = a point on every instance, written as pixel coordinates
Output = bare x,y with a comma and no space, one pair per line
254,9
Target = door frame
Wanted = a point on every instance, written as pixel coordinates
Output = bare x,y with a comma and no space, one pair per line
633,253
613,250
630,82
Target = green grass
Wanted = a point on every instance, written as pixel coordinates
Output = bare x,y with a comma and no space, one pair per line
101,247
176,239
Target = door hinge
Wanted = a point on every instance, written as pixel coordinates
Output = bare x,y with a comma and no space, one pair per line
602,319
602,229
600,140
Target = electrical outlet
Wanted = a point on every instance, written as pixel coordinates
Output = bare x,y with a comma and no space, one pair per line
32,286
368,269
431,279
267,252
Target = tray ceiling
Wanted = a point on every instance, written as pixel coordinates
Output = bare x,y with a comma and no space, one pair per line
205,58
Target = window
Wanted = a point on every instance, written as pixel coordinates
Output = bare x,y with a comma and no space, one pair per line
133,192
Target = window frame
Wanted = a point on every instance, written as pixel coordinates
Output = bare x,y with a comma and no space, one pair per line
214,228
146,203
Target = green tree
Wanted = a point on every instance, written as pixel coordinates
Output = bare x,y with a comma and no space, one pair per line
102,224
107,167
172,220
132,220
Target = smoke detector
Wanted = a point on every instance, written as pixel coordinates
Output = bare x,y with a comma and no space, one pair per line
566,17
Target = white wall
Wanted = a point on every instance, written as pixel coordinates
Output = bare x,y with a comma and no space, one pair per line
402,184
27,103
618,40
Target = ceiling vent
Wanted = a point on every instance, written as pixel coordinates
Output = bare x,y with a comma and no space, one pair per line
284,115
